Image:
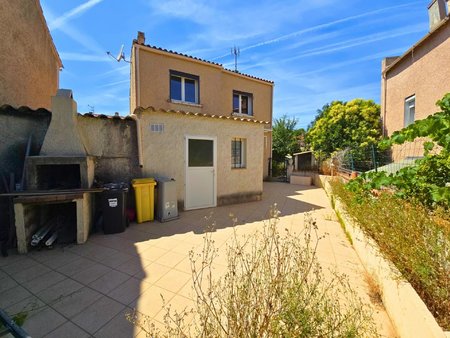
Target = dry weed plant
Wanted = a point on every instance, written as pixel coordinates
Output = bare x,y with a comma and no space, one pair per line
273,287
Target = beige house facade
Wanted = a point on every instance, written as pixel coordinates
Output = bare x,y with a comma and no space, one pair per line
413,82
207,127
29,61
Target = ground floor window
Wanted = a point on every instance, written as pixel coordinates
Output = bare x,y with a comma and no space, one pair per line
238,153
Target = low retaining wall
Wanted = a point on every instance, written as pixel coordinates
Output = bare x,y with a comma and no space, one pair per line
406,309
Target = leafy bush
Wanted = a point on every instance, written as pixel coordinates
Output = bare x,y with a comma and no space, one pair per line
273,287
417,242
428,181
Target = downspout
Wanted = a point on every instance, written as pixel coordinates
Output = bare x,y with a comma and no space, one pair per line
137,105
384,102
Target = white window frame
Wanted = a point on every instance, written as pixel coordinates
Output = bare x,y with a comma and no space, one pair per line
243,158
410,111
183,78
250,103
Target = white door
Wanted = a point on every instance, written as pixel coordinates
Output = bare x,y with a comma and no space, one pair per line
200,172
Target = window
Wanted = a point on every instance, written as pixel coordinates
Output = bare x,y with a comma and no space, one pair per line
242,103
410,110
238,153
184,87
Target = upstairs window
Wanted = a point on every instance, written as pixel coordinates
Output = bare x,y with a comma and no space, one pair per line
238,153
184,87
410,110
242,103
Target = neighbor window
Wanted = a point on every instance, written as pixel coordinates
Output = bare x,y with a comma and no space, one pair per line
410,110
184,87
242,103
238,153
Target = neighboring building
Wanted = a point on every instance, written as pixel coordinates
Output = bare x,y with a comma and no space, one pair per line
29,62
413,82
207,127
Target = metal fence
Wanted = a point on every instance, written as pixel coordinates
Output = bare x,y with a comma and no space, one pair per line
372,158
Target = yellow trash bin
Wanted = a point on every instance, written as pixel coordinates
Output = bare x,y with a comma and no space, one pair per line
144,189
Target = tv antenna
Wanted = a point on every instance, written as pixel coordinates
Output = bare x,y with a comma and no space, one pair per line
120,56
236,52
91,108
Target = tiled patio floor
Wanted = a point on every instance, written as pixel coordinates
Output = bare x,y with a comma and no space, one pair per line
85,290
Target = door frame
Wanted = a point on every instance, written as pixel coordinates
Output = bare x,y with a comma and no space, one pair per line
186,166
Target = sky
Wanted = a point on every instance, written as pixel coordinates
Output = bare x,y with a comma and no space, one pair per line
315,51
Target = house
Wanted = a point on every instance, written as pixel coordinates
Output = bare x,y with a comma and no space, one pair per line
29,61
207,127
413,82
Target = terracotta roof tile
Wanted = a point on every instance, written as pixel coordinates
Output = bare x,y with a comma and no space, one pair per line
103,116
183,112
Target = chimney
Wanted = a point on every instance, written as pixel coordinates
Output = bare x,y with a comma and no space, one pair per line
63,137
436,13
141,38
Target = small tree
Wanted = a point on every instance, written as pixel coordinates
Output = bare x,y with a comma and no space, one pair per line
284,138
345,124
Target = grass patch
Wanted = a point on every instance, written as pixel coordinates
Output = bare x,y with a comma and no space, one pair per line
416,240
341,222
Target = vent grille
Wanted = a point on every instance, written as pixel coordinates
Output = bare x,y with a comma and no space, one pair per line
157,128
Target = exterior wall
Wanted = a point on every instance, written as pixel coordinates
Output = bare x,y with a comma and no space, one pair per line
423,72
164,153
29,62
216,85
113,143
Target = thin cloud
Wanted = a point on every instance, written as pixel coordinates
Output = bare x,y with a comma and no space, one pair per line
318,27
77,11
68,56
335,47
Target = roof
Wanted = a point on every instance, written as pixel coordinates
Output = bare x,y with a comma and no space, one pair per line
201,60
182,112
7,109
419,43
116,116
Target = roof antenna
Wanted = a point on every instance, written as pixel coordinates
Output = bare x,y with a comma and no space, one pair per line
91,108
236,52
120,56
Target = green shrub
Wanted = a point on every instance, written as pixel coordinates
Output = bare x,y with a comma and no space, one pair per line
415,240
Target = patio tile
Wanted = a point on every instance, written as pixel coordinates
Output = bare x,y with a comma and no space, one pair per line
116,259
43,322
55,258
182,247
59,290
13,295
134,265
68,330
109,281
171,259
30,305
91,274
153,253
119,326
98,314
77,301
129,290
150,302
43,281
152,272
7,283
177,304
173,280
76,266
14,265
184,266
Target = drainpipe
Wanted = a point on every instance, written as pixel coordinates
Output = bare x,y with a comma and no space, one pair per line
139,139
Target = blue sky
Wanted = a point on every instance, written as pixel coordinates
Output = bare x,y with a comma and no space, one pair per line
315,51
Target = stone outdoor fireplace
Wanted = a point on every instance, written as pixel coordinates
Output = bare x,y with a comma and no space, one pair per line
58,181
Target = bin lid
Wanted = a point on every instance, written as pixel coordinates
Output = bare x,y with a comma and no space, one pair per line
116,186
137,181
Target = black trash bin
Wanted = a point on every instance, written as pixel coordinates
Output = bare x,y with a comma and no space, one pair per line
114,202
